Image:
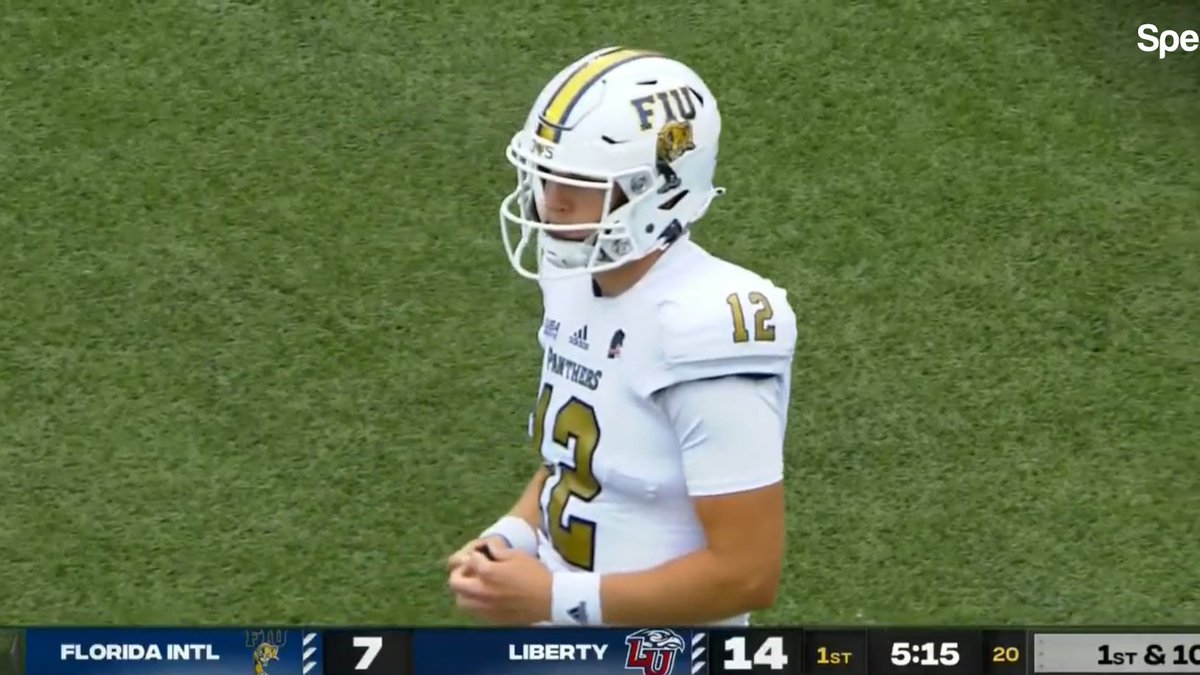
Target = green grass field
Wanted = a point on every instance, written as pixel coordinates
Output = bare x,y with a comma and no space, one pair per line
262,358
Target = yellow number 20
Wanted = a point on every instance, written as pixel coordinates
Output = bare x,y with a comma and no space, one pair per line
575,541
762,332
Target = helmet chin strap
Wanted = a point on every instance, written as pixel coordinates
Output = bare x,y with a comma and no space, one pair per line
566,253
575,254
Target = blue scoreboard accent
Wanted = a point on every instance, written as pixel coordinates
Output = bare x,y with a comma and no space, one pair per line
312,658
652,651
164,651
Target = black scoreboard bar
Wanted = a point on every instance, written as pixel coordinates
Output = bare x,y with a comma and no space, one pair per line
749,651
366,652
595,651
883,651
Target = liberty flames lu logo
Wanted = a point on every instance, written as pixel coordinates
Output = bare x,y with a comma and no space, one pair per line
653,651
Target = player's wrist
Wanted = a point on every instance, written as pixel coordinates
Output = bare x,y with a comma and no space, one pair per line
516,532
575,599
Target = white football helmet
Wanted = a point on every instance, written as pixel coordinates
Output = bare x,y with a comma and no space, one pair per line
617,119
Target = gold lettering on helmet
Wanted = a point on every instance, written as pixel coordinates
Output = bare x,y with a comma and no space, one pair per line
677,104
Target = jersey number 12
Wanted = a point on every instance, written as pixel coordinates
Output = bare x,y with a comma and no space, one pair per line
762,332
575,541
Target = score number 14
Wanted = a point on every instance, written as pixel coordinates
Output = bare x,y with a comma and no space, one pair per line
770,654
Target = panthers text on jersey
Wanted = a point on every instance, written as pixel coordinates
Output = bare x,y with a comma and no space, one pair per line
619,495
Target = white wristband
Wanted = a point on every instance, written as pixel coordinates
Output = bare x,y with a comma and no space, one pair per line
575,599
516,531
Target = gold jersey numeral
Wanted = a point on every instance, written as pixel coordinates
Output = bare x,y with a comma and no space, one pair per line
762,332
574,425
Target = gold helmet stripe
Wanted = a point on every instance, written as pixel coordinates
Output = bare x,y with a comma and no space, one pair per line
576,85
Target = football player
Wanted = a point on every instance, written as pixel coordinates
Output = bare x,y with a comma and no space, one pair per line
663,400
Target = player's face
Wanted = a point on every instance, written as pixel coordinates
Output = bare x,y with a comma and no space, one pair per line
568,204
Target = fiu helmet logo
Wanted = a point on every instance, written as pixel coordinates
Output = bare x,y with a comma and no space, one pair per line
675,136
653,651
676,104
266,645
674,139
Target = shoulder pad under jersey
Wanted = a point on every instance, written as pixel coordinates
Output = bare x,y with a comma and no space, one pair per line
717,328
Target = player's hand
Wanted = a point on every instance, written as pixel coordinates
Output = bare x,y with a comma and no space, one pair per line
462,556
514,589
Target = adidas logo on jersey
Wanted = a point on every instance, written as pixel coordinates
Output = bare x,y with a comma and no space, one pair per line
579,613
579,338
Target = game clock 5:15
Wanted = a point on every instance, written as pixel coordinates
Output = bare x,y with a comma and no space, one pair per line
925,654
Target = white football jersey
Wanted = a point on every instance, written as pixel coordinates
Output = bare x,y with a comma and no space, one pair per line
619,495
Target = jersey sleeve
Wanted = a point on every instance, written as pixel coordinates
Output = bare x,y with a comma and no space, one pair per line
730,431
720,329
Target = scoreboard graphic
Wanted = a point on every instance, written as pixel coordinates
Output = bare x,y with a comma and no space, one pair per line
596,651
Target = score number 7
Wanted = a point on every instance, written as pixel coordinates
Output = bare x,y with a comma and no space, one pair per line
762,332
372,645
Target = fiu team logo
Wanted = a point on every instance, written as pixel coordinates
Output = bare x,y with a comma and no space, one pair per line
674,139
266,645
653,651
675,105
